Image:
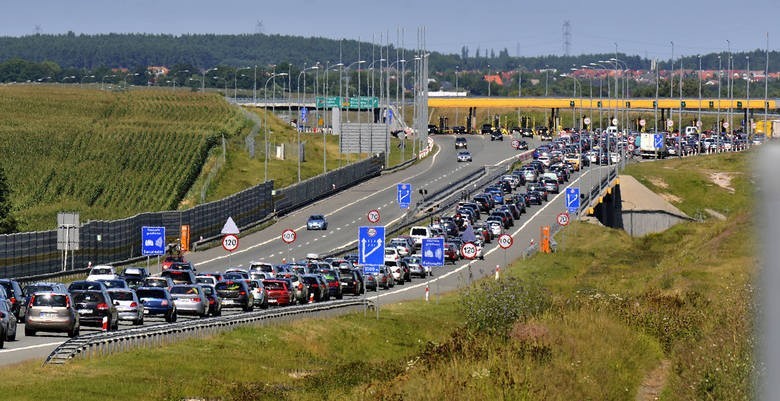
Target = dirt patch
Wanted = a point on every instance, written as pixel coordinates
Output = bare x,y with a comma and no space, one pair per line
658,182
529,332
670,198
654,382
723,180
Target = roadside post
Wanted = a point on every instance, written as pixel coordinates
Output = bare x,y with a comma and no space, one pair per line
371,254
504,241
432,250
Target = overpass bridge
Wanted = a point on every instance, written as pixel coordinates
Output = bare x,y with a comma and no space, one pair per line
688,104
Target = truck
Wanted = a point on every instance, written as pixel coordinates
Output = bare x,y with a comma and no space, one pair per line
770,130
650,146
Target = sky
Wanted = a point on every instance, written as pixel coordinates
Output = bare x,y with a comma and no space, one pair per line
522,27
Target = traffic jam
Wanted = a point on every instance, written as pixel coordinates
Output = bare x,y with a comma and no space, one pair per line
112,296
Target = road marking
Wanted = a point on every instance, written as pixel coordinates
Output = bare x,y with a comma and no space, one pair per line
5,351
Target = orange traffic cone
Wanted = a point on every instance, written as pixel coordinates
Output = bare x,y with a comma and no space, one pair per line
311,298
105,323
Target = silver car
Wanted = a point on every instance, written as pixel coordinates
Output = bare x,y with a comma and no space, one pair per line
52,311
190,299
128,305
7,322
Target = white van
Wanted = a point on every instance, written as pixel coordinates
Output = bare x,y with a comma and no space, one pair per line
418,233
102,272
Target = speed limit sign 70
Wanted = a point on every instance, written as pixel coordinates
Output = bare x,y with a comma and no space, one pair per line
230,242
505,241
468,250
288,236
373,216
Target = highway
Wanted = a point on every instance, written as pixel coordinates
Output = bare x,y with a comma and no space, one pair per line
346,211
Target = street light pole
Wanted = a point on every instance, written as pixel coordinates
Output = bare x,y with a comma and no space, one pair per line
265,102
203,80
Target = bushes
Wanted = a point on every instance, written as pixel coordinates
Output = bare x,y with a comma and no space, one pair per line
493,307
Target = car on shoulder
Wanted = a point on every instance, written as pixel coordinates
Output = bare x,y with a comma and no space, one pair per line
279,292
158,301
235,294
13,291
317,222
190,299
128,305
93,306
52,312
461,143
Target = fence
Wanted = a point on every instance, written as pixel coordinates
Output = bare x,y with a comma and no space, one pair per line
116,241
119,241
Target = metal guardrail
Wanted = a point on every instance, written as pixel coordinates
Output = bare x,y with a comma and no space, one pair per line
106,343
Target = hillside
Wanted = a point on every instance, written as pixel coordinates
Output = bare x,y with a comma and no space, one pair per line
106,154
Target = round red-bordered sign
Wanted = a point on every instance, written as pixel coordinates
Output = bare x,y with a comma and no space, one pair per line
563,219
505,241
468,250
373,216
230,242
289,235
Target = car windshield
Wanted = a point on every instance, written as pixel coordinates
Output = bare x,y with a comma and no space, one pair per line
146,294
55,300
32,289
114,283
88,296
184,290
229,286
317,217
156,282
274,285
121,295
101,270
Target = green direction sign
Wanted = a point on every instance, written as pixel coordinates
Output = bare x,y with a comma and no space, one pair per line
363,102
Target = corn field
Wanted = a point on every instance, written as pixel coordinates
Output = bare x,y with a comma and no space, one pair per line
105,154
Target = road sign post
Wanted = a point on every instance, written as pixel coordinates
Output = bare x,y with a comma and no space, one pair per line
432,251
404,195
505,241
573,199
288,237
371,248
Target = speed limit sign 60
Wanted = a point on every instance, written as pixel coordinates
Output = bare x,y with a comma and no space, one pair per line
468,250
288,236
505,241
230,242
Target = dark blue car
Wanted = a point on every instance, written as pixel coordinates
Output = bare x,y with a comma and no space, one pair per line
157,301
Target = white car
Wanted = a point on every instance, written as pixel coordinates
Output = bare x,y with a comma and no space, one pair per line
102,272
401,245
392,255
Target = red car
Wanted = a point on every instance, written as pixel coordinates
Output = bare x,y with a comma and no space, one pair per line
451,253
278,292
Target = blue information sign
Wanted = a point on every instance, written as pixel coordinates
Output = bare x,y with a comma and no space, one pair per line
573,199
152,241
371,246
658,141
404,195
432,251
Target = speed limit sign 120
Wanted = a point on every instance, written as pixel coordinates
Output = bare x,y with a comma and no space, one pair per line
288,236
230,242
505,241
468,250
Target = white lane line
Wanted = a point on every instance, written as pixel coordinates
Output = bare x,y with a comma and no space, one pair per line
6,351
249,248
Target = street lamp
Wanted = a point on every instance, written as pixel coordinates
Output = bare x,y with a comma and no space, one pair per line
300,104
235,82
103,81
203,80
265,101
748,124
573,109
